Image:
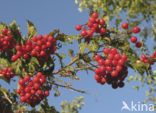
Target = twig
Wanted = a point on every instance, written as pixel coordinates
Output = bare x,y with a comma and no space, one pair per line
72,62
6,96
73,89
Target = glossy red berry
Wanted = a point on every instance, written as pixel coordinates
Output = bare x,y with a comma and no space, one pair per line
83,33
133,39
78,27
106,51
102,22
138,44
46,93
114,73
94,15
103,31
136,30
125,25
97,57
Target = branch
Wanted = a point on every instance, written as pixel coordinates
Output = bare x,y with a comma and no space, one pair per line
72,62
66,86
6,96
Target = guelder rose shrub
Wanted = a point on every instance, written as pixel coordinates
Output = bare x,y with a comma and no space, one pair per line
102,49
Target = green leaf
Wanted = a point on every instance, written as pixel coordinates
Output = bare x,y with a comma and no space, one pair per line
93,46
2,26
130,79
4,63
14,30
31,30
17,66
82,47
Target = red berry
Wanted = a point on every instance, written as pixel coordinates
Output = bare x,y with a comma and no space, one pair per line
124,57
33,53
27,89
103,80
90,24
113,51
95,25
118,68
97,57
106,51
39,74
83,33
114,73
29,42
46,93
136,30
18,91
25,56
97,78
14,57
19,53
27,95
103,31
27,78
4,31
22,99
121,62
35,79
138,44
143,56
101,62
33,92
102,22
92,20
95,15
103,69
109,68
21,82
39,92
108,62
125,25
117,56
98,71
110,56
114,62
90,32
36,86
133,39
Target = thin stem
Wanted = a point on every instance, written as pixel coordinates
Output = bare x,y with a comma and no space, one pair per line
66,86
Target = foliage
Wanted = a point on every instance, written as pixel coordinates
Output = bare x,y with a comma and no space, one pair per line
83,59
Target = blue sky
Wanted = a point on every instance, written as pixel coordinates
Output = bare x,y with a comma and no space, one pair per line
63,14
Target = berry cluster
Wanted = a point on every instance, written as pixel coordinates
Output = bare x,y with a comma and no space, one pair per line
40,47
7,73
93,25
119,80
34,90
112,65
6,40
133,38
148,60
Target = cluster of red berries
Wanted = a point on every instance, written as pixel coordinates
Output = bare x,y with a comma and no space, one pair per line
147,60
119,80
7,73
6,40
133,39
34,90
112,65
93,25
40,47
